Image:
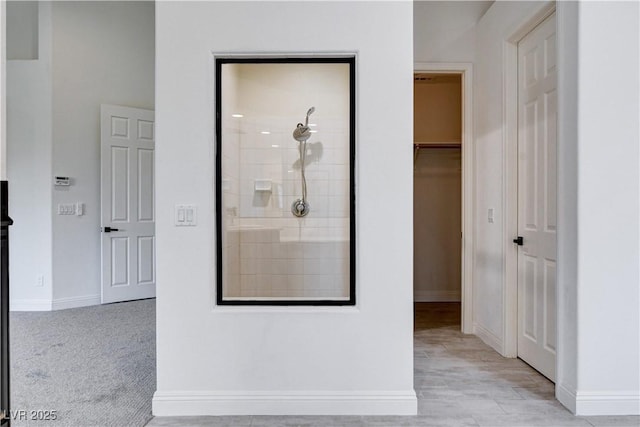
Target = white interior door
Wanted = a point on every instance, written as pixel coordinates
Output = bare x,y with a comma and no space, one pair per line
128,205
537,198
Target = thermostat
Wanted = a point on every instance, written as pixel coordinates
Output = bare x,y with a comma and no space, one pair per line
63,181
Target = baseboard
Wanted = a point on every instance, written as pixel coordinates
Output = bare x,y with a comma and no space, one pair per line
436,296
185,403
588,403
75,302
607,403
30,305
566,397
489,338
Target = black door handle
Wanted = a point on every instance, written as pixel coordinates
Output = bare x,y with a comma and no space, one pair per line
109,229
519,241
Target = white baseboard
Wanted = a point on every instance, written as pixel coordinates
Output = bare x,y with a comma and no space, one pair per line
436,296
185,403
607,403
593,403
30,305
56,304
567,397
75,302
489,338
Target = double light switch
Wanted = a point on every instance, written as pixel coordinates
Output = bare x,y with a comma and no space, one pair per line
186,215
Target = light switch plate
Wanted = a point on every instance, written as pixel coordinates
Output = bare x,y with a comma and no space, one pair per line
186,215
66,209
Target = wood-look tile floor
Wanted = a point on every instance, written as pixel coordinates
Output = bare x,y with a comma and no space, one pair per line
459,380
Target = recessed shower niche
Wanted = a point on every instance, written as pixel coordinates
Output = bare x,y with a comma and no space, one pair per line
285,150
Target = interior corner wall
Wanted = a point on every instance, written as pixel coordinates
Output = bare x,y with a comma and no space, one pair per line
103,53
444,31
608,249
284,360
28,101
493,29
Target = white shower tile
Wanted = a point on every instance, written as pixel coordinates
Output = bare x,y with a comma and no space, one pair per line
295,282
264,266
278,250
278,266
295,250
263,281
247,282
279,282
295,266
248,266
263,250
320,266
248,251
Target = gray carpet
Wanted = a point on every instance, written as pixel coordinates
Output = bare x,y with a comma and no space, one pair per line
95,366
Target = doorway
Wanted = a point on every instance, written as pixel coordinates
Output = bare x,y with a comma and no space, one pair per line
437,187
442,186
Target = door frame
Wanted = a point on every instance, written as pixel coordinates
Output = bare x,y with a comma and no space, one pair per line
465,70
3,97
510,182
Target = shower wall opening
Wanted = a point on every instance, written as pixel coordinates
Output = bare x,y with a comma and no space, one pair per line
285,192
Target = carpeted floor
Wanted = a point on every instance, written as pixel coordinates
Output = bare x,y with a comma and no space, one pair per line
83,363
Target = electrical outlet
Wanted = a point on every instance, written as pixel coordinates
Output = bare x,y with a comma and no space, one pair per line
40,281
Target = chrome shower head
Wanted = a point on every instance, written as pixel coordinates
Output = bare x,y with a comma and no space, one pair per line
309,112
302,132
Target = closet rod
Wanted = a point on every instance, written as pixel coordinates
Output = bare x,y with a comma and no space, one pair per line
440,145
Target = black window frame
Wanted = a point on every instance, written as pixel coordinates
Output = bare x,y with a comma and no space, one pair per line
219,62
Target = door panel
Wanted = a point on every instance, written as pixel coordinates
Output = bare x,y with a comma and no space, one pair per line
145,185
537,198
128,250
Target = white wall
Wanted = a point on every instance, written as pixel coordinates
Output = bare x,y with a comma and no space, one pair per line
608,365
444,31
29,92
567,275
232,360
598,164
494,29
103,53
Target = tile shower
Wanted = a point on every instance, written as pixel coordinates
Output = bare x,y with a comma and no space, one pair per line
268,253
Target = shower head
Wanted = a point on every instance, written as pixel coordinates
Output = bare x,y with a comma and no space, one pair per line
301,133
309,112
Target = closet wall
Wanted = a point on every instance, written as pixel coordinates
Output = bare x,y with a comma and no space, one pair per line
437,187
